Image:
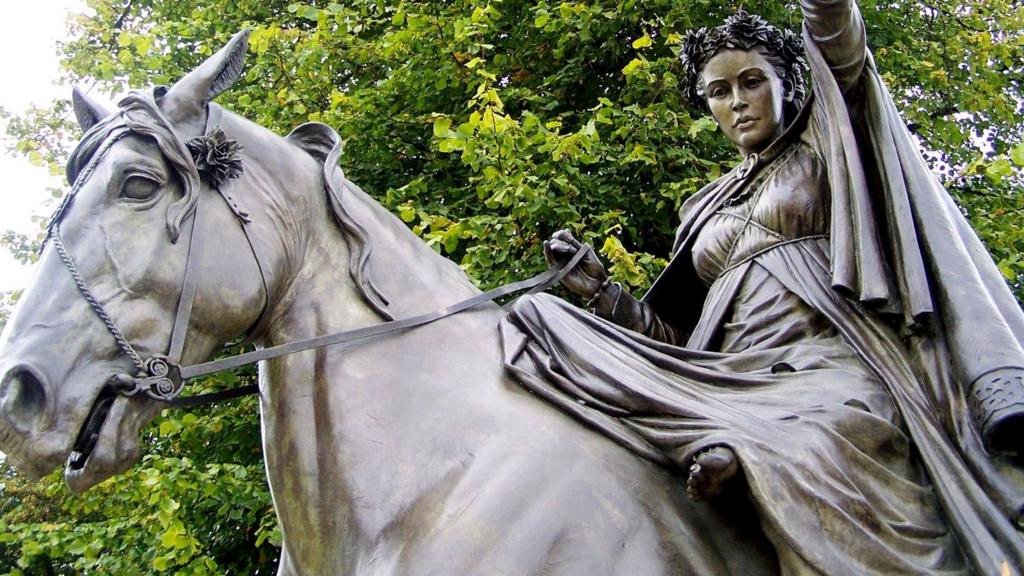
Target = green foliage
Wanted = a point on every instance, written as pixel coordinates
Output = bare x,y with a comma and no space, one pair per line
196,504
485,125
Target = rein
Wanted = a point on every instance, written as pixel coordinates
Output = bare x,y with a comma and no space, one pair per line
162,378
535,284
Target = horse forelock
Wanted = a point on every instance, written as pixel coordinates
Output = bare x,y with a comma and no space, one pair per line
87,147
139,114
142,116
83,159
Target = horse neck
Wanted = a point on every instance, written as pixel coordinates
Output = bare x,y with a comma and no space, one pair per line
338,421
411,278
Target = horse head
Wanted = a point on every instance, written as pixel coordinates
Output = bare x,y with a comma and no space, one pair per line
104,300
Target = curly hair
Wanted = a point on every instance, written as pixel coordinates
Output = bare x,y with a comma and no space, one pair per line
744,31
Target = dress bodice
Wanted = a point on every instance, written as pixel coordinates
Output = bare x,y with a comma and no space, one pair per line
787,200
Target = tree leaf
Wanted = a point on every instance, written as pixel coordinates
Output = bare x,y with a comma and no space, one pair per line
634,65
441,126
642,42
1017,154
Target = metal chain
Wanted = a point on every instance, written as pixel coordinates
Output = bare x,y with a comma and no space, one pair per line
97,307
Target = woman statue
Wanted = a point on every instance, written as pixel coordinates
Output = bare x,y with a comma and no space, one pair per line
830,337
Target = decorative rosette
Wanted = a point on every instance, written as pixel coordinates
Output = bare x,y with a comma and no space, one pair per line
217,157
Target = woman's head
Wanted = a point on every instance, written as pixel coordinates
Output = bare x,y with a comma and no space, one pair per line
733,68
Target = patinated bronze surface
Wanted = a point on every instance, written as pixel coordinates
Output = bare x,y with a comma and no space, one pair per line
823,380
414,454
854,367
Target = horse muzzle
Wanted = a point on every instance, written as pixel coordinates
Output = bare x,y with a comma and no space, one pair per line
91,445
107,442
26,421
24,403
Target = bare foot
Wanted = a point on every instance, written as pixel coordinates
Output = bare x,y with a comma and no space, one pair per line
710,472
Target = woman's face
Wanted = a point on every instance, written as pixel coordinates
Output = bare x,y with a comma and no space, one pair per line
745,96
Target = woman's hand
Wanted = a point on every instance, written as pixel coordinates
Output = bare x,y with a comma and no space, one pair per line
587,277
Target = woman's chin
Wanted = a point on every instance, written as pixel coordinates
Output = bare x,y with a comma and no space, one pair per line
754,141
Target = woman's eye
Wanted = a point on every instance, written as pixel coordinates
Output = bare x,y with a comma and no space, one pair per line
717,93
754,82
139,188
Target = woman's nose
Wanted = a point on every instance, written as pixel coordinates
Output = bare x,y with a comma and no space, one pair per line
738,103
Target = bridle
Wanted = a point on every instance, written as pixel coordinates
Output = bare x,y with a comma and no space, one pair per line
157,376
161,377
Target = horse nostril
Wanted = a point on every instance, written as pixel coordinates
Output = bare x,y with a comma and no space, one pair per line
24,398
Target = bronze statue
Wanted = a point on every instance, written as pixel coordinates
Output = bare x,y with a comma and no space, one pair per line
829,339
826,376
403,454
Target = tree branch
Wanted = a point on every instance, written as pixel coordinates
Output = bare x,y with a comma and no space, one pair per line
119,23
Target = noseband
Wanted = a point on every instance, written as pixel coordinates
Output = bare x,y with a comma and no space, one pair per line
161,377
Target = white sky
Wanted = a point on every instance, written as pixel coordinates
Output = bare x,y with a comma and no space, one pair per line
29,67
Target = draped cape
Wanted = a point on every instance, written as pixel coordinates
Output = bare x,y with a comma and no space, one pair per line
903,250
905,282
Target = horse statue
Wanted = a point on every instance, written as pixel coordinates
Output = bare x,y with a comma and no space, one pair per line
406,453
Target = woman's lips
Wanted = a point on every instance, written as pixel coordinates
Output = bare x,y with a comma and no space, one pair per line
745,122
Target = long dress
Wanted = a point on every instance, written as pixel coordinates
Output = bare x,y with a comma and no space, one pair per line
825,399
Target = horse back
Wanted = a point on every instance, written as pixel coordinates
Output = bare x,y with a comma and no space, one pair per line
452,468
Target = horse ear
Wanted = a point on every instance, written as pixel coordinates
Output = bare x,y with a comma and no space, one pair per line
186,101
88,111
318,140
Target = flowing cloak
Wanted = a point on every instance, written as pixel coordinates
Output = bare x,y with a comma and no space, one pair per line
908,286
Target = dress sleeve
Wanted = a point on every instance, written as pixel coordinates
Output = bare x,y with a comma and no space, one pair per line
837,28
615,304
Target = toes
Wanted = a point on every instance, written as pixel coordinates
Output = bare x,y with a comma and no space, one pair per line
696,484
710,472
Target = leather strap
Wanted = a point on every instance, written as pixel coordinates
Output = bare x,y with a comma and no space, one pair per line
213,397
536,284
189,283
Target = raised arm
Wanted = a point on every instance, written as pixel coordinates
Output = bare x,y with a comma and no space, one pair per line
837,28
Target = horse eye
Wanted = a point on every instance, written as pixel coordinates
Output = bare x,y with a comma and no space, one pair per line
138,187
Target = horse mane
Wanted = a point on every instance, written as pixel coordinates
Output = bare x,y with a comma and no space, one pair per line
324,145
